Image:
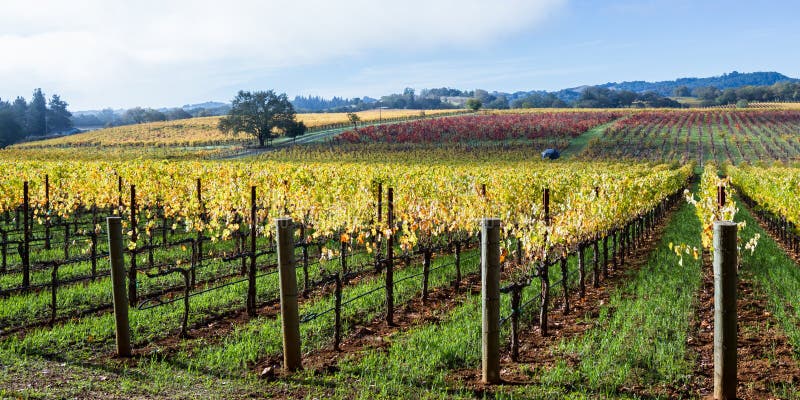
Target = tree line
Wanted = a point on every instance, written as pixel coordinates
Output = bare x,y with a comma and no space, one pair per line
139,115
39,117
711,96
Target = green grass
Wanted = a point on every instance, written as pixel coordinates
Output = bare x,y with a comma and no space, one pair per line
778,276
639,340
577,144
640,336
261,337
419,361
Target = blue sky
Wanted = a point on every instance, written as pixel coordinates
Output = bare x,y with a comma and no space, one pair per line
99,53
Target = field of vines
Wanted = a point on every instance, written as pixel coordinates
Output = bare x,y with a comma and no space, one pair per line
605,264
551,129
735,136
200,244
202,132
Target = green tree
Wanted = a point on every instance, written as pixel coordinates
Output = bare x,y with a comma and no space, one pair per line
36,118
10,130
20,109
682,91
474,104
177,113
58,118
295,130
135,115
264,115
354,119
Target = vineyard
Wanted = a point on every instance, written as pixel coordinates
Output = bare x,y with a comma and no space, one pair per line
605,282
701,136
203,132
556,128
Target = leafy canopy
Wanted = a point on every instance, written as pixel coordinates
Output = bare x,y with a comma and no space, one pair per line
264,115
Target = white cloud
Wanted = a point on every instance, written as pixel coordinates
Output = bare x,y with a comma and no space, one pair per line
88,47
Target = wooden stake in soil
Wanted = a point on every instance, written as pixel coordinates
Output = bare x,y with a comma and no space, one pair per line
53,294
582,270
26,260
290,319
458,266
390,259
94,241
251,277
544,273
115,249
516,296
47,212
426,270
305,259
595,264
565,283
725,330
134,237
337,322
490,299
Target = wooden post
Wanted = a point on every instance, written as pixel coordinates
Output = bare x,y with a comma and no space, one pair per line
290,320
544,273
26,260
596,263
199,239
120,205
390,259
251,277
546,201
187,286
426,270
614,249
516,294
565,283
337,323
458,266
47,212
53,294
94,241
605,257
134,238
306,286
490,296
115,248
623,244
582,270
725,330
377,239
343,255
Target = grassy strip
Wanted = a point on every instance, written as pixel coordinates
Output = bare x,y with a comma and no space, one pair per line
778,276
82,337
576,145
262,337
74,298
418,362
640,336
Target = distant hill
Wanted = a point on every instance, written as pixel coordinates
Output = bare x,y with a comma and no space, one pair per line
725,81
